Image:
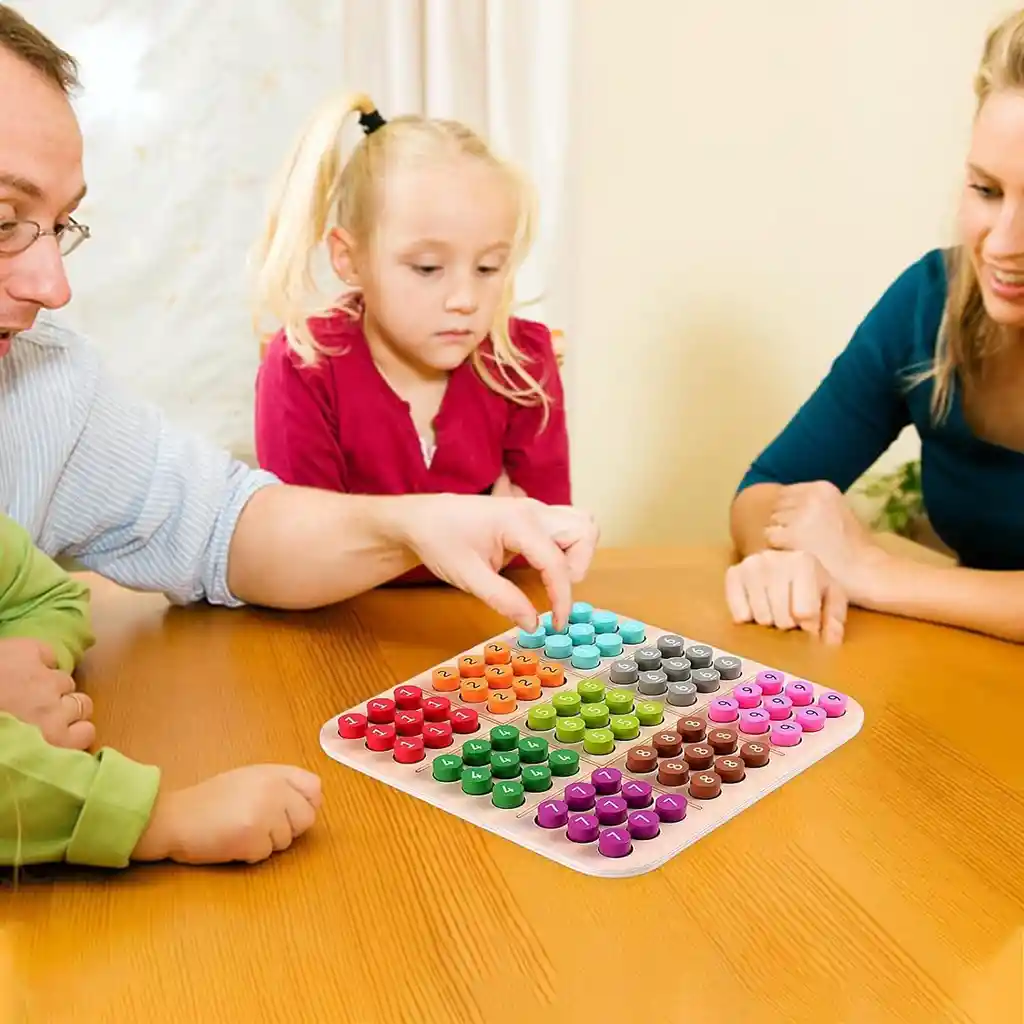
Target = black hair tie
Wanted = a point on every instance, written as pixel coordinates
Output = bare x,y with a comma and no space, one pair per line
371,121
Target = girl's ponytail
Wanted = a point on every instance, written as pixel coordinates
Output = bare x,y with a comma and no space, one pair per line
302,199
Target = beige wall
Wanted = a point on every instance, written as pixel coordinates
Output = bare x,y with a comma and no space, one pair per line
748,178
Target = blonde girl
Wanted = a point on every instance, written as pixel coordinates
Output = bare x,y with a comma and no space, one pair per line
407,371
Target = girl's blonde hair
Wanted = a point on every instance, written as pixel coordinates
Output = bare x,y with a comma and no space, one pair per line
968,335
317,190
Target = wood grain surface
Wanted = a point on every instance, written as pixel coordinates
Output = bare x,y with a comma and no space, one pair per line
884,884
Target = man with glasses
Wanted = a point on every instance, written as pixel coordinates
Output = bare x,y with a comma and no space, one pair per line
101,478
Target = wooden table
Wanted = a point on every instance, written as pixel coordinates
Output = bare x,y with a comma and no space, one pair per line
885,884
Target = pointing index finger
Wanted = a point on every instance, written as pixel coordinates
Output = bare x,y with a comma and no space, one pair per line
498,592
552,564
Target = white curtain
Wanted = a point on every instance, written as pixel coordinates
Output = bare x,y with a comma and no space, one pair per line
187,110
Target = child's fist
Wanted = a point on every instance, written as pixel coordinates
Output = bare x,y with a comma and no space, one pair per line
242,815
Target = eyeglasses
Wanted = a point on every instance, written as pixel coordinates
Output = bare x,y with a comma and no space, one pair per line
17,235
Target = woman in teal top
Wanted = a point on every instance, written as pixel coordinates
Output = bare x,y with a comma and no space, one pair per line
943,350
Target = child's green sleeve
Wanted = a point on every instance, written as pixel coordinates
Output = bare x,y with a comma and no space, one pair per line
67,805
39,599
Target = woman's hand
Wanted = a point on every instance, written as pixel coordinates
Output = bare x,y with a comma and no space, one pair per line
815,518
788,590
820,559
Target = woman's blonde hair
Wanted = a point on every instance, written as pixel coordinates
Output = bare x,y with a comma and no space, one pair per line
317,190
968,335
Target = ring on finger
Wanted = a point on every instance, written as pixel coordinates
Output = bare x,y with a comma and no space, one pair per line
77,698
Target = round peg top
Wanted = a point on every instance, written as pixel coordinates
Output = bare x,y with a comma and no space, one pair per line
504,737
644,824
532,638
624,727
747,695
606,780
673,773
755,755
671,645
580,796
705,785
582,828
699,655
477,781
691,729
476,752
533,749
464,720
407,698
497,652
591,691
770,681
647,658
754,721
642,759
729,667
558,645
586,657
595,716
609,644
725,709
619,702
800,692
352,726
599,741
542,716
447,768
611,810
677,669
682,694
834,703
670,807
566,703
380,710
707,680
564,762
552,814
811,719
508,794
649,712
653,683
730,769
580,612
786,734
436,708
624,672
581,633
668,743
636,793
632,632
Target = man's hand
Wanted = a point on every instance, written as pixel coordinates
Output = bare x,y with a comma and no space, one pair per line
464,540
363,541
33,690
